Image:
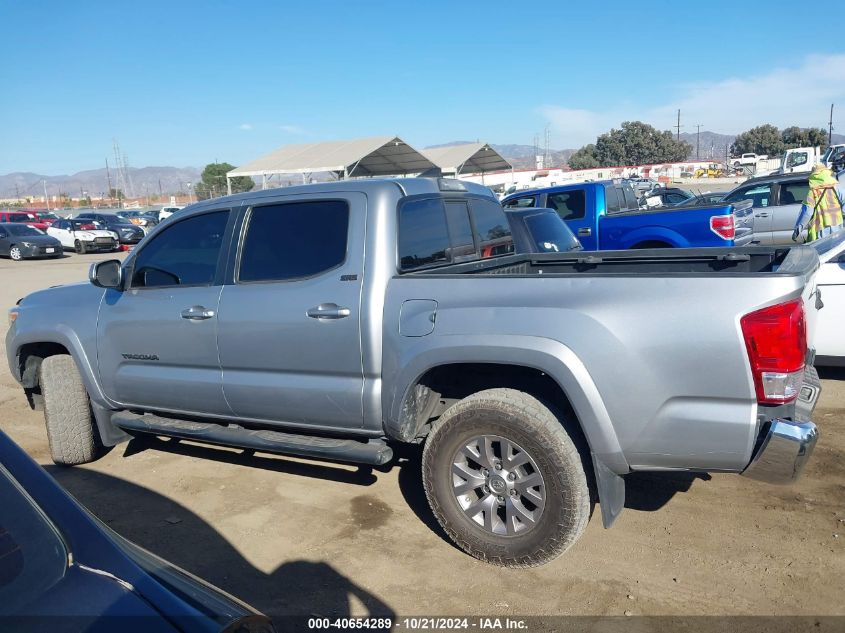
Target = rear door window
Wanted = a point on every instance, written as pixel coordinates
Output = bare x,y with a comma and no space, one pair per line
294,240
570,205
793,192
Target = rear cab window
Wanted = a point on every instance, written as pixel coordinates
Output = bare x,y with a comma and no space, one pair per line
437,231
612,199
521,203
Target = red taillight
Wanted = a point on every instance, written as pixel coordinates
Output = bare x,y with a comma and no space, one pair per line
776,340
723,226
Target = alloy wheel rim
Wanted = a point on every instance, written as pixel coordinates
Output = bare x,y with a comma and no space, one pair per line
15,253
498,485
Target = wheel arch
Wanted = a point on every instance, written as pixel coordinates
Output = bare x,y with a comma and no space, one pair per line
32,352
33,347
409,400
544,368
654,235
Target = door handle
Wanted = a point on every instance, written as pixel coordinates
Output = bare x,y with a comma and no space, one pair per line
585,231
197,313
761,215
328,311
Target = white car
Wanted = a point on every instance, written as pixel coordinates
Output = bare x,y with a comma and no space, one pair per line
166,212
84,236
830,280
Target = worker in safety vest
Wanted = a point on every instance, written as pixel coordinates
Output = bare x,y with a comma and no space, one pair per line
821,213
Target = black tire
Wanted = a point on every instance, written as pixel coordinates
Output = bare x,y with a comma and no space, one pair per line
79,247
67,412
525,421
15,253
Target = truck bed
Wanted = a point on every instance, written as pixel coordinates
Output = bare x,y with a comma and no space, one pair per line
737,261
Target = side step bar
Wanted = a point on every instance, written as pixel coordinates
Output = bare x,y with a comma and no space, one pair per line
374,452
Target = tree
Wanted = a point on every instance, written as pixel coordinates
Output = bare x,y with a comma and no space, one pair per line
584,158
214,181
795,136
116,193
635,143
763,139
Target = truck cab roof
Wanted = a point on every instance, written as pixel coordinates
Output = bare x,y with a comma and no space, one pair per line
406,187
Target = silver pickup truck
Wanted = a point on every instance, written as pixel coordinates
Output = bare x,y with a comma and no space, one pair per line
335,321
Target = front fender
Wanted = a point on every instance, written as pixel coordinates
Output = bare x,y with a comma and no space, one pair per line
547,355
62,335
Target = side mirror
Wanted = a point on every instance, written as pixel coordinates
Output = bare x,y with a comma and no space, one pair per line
108,274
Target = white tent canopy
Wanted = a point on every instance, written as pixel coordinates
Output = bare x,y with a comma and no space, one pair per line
377,156
466,159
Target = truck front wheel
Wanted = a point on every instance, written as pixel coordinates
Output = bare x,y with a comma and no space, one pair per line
67,413
505,480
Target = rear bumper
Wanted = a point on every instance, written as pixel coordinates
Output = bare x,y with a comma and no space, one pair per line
783,449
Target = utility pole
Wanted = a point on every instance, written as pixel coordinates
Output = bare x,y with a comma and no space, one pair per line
108,177
17,193
697,141
830,127
678,126
44,182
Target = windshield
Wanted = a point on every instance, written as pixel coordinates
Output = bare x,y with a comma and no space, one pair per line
33,555
23,230
550,235
85,225
19,217
48,216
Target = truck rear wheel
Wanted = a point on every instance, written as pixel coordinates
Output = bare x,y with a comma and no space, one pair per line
505,480
67,413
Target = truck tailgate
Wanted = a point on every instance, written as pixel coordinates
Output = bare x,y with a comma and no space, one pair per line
743,213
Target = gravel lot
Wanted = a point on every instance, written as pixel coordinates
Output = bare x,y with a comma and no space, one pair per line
294,536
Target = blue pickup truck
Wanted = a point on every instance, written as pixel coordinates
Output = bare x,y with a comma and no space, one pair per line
605,216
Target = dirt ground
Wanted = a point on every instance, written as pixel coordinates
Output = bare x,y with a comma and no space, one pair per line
295,536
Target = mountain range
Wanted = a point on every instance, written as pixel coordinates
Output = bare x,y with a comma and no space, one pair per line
167,180
95,182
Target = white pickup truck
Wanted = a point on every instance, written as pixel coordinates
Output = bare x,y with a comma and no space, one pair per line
747,160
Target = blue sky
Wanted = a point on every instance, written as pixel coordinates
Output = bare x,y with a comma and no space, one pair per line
185,83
